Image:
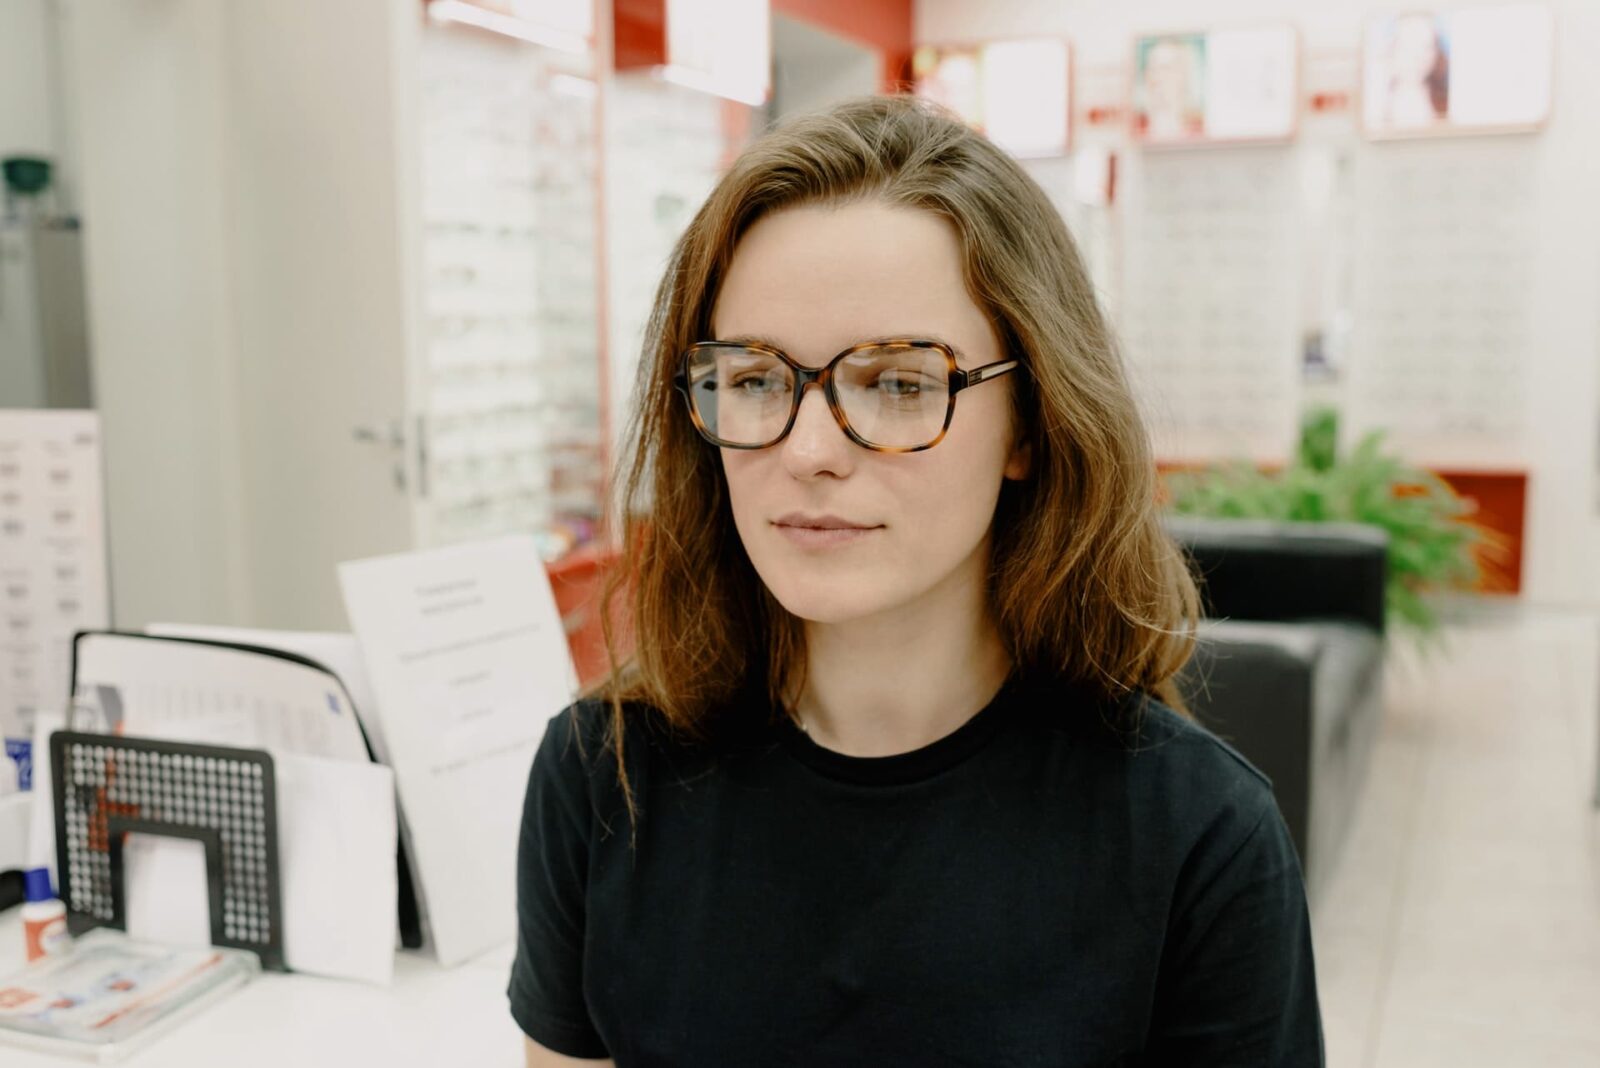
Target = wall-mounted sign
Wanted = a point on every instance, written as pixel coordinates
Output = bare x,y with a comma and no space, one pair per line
1478,70
54,578
1019,93
1224,85
719,46
565,25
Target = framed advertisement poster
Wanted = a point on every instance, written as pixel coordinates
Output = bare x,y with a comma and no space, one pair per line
1018,92
1228,86
1479,70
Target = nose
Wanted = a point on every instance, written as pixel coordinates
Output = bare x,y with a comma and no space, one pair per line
817,445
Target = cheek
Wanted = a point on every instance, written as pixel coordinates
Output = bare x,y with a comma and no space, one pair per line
959,493
948,502
946,496
975,452
745,473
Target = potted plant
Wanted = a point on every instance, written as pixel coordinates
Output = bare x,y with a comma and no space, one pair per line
1433,544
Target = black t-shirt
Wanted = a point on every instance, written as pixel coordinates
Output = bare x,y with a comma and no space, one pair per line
1046,885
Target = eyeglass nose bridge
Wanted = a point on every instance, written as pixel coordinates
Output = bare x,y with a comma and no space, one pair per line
808,376
822,378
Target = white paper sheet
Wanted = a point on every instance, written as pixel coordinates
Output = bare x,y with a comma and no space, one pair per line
339,653
163,688
336,842
467,655
166,890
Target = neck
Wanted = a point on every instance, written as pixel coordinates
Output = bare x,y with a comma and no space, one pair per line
902,679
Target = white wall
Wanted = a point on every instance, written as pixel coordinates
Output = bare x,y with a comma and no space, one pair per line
249,295
322,291
26,124
35,109
1562,535
148,76
815,68
27,127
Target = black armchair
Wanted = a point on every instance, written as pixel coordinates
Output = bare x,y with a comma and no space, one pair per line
1289,664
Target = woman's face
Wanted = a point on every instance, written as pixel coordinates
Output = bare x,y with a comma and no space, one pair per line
1166,79
813,281
1414,48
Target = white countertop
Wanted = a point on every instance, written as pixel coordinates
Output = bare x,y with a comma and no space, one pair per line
430,1016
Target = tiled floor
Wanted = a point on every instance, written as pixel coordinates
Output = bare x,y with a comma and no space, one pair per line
1461,924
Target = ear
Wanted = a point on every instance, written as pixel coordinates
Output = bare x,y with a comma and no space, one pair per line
1020,462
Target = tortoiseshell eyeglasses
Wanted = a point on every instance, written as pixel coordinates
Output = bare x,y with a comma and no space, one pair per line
894,395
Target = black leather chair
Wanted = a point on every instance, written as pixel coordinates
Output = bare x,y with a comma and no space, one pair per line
1289,667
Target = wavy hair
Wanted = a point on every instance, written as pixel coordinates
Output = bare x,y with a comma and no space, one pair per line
1083,583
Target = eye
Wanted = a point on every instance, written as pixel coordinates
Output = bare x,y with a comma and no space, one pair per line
757,384
900,383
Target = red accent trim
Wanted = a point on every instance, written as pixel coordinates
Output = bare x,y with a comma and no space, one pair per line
885,25
896,76
638,34
735,121
639,31
578,580
1502,506
602,69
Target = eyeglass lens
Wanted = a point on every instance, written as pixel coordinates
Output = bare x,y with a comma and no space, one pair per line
891,395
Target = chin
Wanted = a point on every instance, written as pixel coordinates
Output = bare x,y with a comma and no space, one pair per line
825,601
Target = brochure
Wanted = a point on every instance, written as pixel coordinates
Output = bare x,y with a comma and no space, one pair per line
112,994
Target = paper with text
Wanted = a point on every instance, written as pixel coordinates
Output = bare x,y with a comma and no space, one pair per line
469,661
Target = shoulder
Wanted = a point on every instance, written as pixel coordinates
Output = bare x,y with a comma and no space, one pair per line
1195,816
580,726
1181,752
1221,818
575,759
1167,769
1140,731
583,751
585,729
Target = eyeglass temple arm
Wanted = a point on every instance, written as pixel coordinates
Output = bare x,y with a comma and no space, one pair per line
986,372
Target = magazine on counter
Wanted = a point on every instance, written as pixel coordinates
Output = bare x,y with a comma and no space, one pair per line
112,994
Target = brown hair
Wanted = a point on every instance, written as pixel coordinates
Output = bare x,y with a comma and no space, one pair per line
1084,582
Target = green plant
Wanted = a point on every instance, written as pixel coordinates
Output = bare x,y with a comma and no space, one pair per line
1432,542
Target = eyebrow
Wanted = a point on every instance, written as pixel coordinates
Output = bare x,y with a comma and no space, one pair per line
762,339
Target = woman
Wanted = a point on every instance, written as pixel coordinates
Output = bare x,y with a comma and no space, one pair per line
1417,89
895,775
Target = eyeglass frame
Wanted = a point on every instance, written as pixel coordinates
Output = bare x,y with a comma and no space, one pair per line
958,380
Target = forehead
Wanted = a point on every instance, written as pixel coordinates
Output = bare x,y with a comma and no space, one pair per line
817,279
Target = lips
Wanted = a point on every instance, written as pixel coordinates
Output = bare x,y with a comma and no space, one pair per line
822,532
820,522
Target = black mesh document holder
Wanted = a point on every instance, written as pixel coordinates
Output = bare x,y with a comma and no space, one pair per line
106,786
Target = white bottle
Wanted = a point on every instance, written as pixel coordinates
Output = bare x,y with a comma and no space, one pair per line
44,919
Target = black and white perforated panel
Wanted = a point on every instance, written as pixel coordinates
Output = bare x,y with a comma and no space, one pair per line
106,787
